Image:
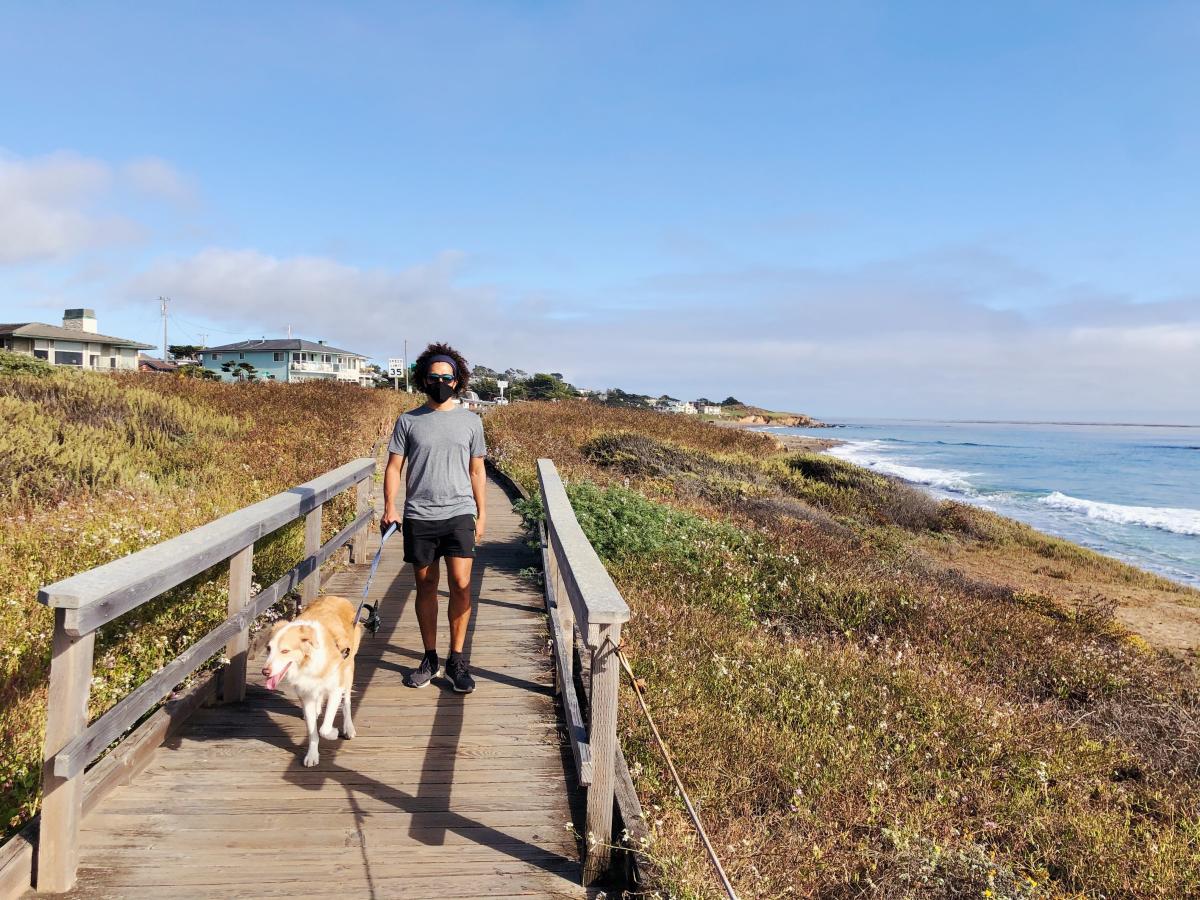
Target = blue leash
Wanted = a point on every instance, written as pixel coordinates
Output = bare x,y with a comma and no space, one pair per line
372,622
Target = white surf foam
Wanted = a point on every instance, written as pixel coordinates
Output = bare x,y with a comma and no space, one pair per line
867,454
1179,521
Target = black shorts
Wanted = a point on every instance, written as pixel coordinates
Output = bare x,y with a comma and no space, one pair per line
427,539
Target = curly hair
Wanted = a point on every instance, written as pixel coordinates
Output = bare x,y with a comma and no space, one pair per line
461,367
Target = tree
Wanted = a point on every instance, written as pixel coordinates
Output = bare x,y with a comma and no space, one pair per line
619,398
512,375
486,388
191,370
731,401
185,351
544,386
242,371
483,372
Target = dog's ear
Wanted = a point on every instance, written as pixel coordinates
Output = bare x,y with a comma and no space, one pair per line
307,635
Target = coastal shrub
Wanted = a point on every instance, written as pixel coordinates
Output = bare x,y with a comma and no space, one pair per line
855,716
95,467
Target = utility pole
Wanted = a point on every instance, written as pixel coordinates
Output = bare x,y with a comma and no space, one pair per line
407,386
163,306
289,332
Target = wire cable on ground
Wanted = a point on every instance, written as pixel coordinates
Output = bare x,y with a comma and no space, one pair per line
712,854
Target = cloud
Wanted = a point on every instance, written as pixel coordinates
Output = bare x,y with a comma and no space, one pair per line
157,178
371,310
56,206
912,337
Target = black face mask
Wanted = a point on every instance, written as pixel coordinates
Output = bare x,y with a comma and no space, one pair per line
439,391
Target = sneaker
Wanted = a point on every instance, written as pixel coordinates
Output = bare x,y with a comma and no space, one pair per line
460,676
425,672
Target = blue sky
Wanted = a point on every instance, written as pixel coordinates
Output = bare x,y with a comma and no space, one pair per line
887,209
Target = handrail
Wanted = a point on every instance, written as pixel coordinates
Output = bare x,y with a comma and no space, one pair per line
90,599
593,595
575,573
99,595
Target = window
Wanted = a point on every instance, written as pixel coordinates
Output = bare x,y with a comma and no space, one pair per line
295,357
241,356
214,356
328,358
68,358
94,360
42,354
112,362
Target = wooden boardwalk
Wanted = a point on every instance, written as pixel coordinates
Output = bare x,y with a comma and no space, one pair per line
439,795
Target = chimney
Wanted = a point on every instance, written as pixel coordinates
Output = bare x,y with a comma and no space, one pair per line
80,320
322,343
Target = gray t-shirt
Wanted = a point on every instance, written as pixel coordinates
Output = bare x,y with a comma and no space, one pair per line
437,447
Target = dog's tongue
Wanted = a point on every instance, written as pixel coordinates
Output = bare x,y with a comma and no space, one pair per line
274,679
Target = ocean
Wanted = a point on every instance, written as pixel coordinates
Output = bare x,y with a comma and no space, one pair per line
1129,491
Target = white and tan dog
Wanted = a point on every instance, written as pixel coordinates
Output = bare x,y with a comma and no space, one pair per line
314,653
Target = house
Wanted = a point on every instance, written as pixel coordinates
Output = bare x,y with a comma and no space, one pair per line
78,343
710,409
290,360
685,406
150,364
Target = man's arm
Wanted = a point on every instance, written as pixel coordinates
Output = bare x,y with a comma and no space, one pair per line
479,489
391,487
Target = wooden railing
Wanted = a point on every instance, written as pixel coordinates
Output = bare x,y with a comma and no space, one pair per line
581,596
87,601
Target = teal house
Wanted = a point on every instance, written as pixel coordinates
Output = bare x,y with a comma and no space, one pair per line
288,359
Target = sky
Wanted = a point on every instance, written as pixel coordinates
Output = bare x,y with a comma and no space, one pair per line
917,209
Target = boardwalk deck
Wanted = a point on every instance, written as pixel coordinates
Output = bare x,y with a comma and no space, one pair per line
440,795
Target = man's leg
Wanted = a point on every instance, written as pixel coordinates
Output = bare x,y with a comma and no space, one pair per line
459,575
427,603
427,608
458,571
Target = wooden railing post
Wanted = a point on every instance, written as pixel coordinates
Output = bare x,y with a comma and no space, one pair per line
358,549
241,573
602,733
312,543
66,718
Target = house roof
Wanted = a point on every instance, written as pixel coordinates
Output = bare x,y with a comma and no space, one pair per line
282,344
55,333
156,365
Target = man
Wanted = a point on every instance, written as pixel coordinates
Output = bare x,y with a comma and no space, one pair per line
444,504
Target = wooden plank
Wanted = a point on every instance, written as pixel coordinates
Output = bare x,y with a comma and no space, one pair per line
585,576
16,862
241,574
62,797
132,755
126,583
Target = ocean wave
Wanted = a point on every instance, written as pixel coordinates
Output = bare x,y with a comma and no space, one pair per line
865,454
1165,518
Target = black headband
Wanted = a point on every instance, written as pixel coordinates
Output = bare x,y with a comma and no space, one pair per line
441,357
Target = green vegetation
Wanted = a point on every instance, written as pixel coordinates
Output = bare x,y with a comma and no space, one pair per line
854,716
97,466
